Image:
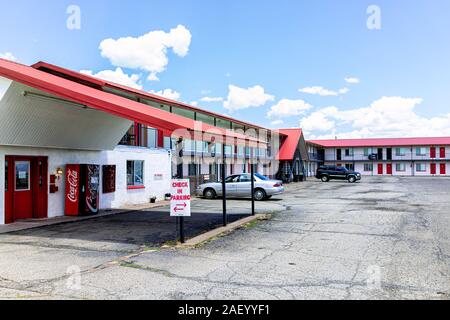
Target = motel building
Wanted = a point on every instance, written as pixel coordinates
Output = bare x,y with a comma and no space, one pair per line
72,144
396,157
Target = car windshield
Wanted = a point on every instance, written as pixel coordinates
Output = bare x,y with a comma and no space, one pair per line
261,177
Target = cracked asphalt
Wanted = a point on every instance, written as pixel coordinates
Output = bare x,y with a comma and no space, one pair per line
382,238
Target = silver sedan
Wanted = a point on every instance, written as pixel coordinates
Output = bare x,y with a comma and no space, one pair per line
239,185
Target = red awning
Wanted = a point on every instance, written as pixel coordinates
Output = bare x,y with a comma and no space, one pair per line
290,144
110,103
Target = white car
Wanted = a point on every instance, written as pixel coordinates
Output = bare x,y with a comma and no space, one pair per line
239,185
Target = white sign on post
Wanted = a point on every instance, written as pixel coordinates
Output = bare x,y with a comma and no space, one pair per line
180,201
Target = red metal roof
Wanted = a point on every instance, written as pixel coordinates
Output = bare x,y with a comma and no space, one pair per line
288,147
383,142
143,94
107,102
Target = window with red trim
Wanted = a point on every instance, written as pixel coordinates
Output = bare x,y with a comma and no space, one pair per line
135,174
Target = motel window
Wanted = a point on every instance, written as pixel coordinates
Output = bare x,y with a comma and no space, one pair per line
367,152
348,152
201,146
192,169
421,167
239,128
229,150
350,166
205,118
135,173
221,123
400,152
183,112
400,167
368,167
421,151
189,145
156,105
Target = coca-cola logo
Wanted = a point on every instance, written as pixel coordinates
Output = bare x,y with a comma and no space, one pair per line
72,181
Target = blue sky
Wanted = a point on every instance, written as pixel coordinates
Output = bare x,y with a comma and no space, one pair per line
280,46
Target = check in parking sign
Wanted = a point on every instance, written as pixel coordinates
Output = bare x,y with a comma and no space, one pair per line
180,201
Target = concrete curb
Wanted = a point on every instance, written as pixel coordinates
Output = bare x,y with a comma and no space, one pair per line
221,230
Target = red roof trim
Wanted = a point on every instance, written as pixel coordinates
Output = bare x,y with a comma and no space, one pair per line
140,93
383,142
288,147
107,102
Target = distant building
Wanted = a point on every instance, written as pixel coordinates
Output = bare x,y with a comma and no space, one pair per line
387,156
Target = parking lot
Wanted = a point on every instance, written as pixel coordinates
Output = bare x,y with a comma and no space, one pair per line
385,237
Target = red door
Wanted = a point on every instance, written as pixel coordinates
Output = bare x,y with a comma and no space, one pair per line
433,152
433,168
380,168
23,189
26,193
442,152
443,169
389,168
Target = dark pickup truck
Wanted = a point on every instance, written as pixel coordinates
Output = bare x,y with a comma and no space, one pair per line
327,173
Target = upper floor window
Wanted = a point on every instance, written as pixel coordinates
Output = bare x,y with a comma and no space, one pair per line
348,152
421,151
367,152
400,152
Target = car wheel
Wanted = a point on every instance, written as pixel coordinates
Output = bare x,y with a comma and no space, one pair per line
352,179
325,179
209,194
259,195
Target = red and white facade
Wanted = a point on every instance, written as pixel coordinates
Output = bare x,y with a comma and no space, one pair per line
54,122
397,157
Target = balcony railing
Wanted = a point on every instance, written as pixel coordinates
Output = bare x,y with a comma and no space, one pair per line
394,157
316,157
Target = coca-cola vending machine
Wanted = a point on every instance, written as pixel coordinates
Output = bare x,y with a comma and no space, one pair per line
82,189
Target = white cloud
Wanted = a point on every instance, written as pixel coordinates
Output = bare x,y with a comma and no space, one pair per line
386,117
117,76
194,103
147,52
319,120
167,93
286,108
344,91
240,98
8,56
352,80
276,122
211,99
321,91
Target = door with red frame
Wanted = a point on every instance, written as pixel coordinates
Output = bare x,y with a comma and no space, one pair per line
26,193
380,168
442,152
389,168
433,152
443,170
433,168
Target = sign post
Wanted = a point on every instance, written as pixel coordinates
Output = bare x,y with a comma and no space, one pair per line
180,202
